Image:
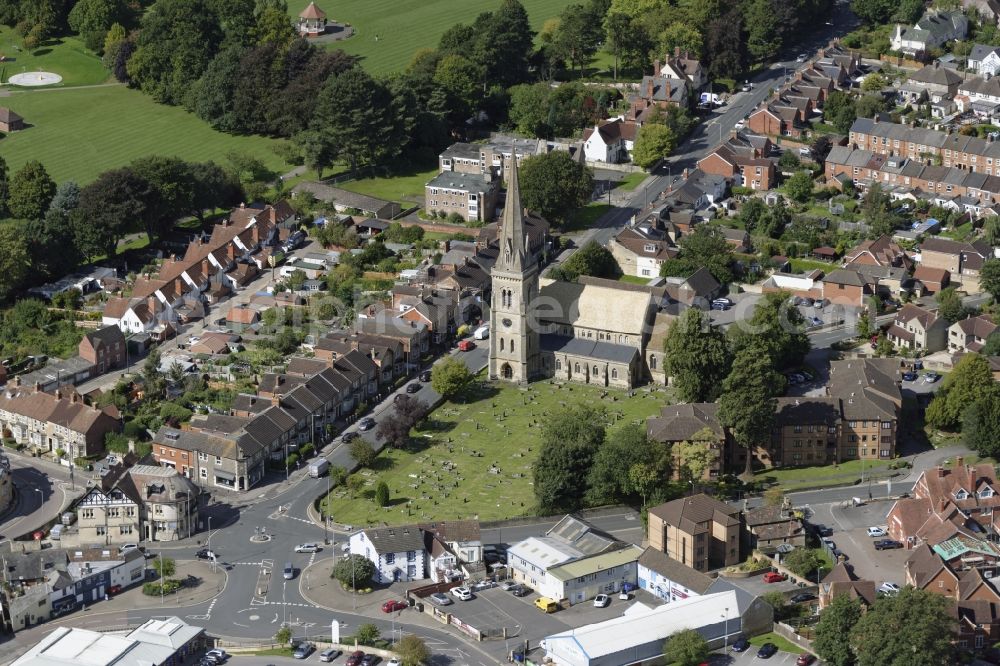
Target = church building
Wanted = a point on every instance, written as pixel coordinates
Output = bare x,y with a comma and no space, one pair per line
592,331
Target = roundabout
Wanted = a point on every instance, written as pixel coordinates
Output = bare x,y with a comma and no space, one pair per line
34,79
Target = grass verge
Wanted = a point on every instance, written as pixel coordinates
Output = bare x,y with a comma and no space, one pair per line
586,217
631,181
783,644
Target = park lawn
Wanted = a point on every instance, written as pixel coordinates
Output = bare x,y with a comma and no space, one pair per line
586,217
404,26
66,57
79,133
845,474
405,187
631,181
446,474
782,644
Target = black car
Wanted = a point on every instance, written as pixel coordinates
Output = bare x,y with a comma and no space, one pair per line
741,645
802,597
366,423
767,650
520,591
206,554
824,531
887,544
348,437
412,387
425,376
369,660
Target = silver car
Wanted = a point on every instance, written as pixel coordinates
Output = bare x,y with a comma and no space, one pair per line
439,599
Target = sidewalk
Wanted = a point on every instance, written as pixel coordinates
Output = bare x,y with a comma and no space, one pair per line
212,584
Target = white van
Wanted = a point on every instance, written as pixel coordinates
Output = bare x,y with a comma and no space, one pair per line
481,333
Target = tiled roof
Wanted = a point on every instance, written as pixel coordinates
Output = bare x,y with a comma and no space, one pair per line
690,513
671,569
677,423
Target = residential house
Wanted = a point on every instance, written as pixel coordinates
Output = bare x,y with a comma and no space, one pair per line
842,580
10,121
984,60
696,290
398,553
656,93
104,349
668,579
738,239
929,280
168,502
772,526
883,251
846,287
932,82
699,531
932,30
573,561
230,461
981,96
241,318
641,249
473,196
682,67
52,423
781,117
987,10
970,334
963,261
918,329
690,422
462,537
744,160
610,141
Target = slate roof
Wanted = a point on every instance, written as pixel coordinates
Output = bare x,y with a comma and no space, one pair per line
847,277
936,75
807,411
690,513
396,539
587,348
671,569
678,423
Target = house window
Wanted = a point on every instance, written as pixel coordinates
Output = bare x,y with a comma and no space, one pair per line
203,473
411,556
390,558
652,363
886,425
884,453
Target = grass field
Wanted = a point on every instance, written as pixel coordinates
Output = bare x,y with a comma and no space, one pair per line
844,474
586,217
77,134
403,26
406,187
448,475
66,57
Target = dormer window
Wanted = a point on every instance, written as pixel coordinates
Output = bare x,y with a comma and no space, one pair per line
649,247
986,492
961,495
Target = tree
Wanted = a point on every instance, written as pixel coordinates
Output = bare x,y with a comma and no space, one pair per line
91,19
368,634
800,186
363,452
804,561
696,456
460,80
776,326
625,38
4,187
164,567
31,191
950,305
991,232
571,437
873,12
789,161
820,148
554,184
774,496
866,325
592,259
354,571
686,648
969,380
989,277
839,111
395,429
752,213
412,650
705,247
450,377
832,637
108,208
916,623
883,348
653,143
608,480
574,39
695,357
382,494
763,35
992,346
15,260
981,424
747,403
283,635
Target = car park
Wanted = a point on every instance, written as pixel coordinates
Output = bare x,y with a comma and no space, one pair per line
803,597
602,601
767,650
805,659
875,532
366,423
412,387
909,376
393,605
308,548
463,593
354,659
741,645
520,591
888,588
887,544
774,577
303,650
329,654
439,599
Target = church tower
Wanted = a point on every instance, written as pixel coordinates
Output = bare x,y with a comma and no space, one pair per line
513,340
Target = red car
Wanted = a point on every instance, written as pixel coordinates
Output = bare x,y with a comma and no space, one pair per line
774,577
114,589
354,659
805,659
393,605
466,345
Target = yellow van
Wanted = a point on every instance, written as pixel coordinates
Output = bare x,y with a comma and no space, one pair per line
546,605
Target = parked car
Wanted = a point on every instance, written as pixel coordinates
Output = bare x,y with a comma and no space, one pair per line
909,376
394,662
887,544
412,387
740,124
303,650
602,601
767,650
888,588
724,301
802,597
308,548
393,605
206,554
329,654
114,589
466,345
624,596
508,585
815,321
369,659
876,532
774,577
348,437
741,645
127,548
210,659
366,423
805,659
439,599
931,377
747,87
820,303
719,306
802,57
354,659
463,593
824,531
425,376
520,591
218,653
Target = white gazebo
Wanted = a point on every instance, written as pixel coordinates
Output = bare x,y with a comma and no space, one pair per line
312,21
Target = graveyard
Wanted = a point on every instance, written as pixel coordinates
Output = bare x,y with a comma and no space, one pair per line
473,456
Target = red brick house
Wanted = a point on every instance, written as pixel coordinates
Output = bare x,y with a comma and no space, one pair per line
883,251
104,349
744,160
846,287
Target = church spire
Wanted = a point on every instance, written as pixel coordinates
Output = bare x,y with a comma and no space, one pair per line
515,254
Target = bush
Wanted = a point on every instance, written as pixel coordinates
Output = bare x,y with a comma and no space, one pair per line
382,494
354,571
168,586
306,450
368,634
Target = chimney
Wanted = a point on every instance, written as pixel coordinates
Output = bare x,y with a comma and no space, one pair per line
38,387
656,67
242,205
74,397
958,462
58,394
940,471
649,88
677,52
